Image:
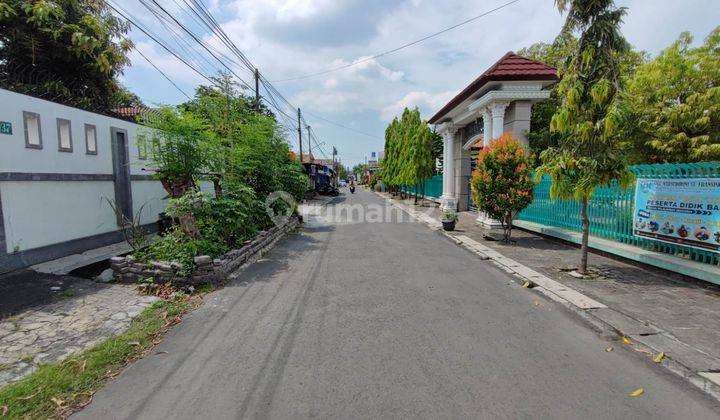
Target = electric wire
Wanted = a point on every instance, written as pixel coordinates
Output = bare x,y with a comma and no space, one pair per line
396,49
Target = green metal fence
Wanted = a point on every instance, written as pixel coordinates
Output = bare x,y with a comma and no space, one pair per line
611,210
431,188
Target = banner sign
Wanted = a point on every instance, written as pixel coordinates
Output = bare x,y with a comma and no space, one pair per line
680,211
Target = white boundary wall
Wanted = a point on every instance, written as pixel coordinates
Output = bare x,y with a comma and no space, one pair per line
53,202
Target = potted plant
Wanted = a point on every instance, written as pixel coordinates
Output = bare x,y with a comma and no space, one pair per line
448,220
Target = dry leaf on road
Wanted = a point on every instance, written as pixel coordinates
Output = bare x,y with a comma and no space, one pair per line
659,357
626,340
609,349
638,392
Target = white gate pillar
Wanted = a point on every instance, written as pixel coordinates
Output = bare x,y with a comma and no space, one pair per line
497,109
487,126
448,200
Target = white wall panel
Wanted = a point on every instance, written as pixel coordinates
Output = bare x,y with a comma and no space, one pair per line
42,213
152,195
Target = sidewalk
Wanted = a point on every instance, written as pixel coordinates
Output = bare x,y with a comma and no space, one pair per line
46,317
663,311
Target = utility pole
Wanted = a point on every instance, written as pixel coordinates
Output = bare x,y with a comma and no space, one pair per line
307,127
257,90
300,135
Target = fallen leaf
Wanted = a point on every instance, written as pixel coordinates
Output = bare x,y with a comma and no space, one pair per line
536,303
4,409
659,357
643,351
609,349
626,340
638,392
161,352
526,284
57,401
28,397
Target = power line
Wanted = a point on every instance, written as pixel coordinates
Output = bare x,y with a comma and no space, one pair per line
154,38
194,37
163,73
200,14
342,126
409,44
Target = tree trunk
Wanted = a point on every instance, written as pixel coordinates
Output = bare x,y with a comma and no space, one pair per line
177,189
417,186
217,187
585,234
507,226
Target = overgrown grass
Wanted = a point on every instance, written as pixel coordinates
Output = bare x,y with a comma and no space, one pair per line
56,390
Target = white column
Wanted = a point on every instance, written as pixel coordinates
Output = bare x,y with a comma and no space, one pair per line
487,126
447,200
497,109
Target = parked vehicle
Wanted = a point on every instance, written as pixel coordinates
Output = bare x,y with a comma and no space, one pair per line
328,189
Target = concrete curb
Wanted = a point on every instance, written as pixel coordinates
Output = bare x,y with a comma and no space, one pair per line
612,324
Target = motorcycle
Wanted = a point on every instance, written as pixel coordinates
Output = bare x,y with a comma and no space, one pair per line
352,189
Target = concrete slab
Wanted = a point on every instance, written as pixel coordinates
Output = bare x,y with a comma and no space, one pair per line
711,376
578,299
63,266
624,323
680,352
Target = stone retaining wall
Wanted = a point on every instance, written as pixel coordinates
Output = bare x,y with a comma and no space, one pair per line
128,270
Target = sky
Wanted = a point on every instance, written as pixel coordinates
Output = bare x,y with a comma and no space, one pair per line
290,38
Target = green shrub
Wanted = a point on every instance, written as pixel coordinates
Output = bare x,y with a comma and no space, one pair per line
176,246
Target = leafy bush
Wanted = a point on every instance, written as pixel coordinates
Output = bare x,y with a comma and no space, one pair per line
502,184
218,136
178,247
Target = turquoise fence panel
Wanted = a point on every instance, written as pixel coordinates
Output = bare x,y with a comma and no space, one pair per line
432,187
611,210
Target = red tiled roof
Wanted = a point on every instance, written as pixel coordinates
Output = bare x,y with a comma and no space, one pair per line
129,111
510,67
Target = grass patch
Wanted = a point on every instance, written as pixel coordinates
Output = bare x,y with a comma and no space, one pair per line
56,390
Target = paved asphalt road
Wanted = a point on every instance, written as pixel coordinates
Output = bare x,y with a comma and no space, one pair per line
387,320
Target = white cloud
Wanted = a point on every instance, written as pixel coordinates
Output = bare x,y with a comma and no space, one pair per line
425,101
273,34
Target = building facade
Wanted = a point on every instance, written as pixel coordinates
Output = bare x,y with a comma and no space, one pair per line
59,169
500,100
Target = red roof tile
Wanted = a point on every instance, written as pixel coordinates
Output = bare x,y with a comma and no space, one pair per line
510,67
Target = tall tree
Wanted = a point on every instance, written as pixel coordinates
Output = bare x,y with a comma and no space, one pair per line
408,151
588,155
555,54
674,104
69,51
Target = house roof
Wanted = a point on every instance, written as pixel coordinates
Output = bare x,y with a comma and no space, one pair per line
130,113
510,67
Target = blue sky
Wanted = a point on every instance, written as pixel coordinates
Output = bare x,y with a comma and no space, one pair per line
288,38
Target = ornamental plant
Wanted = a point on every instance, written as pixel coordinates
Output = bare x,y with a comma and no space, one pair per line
501,183
589,153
